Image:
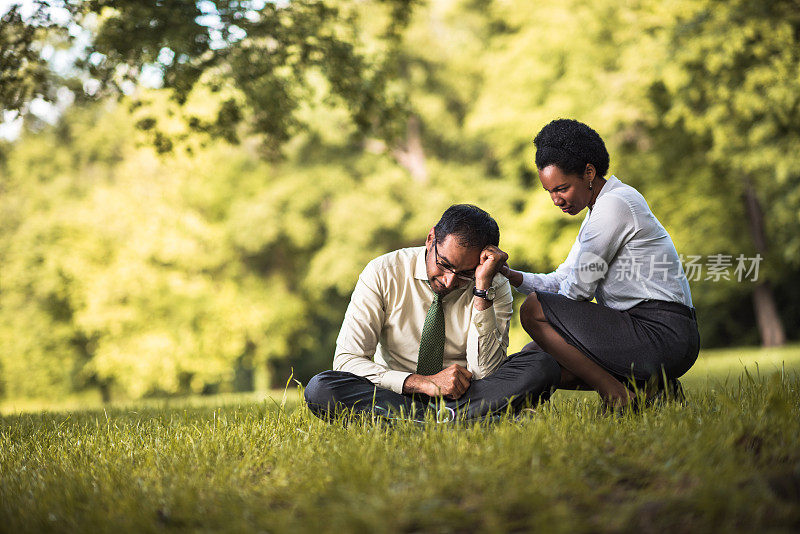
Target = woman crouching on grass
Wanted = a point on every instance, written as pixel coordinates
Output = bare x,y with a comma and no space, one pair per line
642,332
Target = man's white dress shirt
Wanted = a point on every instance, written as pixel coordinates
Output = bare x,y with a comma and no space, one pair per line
380,335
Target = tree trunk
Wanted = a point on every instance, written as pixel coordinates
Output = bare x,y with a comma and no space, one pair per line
411,155
769,322
105,392
770,325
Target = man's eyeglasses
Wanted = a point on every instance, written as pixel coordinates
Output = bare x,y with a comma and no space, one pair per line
468,276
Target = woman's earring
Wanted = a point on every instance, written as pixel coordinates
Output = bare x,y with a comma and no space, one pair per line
590,185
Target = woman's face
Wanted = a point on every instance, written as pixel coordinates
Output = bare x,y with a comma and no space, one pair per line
569,192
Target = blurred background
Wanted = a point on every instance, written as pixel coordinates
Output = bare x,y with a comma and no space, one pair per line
189,189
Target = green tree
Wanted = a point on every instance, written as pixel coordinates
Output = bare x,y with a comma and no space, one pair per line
119,272
24,72
698,104
723,86
206,236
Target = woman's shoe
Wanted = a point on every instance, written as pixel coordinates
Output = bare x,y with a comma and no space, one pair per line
672,392
608,409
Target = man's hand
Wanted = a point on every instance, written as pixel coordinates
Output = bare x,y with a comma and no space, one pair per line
450,383
492,259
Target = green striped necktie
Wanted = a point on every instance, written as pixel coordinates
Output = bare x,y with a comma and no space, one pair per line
431,343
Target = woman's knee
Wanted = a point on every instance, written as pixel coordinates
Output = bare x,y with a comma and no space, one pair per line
530,313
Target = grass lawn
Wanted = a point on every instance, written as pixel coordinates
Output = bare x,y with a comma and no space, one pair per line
727,461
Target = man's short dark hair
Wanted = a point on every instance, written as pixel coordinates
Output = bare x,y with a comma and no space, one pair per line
471,226
570,145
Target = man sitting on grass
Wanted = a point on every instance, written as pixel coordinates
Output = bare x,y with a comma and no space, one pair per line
427,328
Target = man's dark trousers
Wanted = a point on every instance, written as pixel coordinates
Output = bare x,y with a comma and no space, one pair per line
525,376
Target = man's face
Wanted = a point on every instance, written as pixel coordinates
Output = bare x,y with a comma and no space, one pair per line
444,258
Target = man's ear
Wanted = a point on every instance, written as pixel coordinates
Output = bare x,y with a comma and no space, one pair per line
431,237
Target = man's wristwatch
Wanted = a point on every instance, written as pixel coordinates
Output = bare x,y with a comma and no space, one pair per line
486,294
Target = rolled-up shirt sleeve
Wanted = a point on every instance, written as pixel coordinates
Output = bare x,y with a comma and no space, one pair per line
360,333
487,337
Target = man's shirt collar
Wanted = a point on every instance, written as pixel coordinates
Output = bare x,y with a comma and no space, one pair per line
420,271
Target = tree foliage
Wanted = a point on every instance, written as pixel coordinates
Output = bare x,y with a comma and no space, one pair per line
205,235
24,72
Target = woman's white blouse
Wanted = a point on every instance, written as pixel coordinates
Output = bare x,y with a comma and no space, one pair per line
621,257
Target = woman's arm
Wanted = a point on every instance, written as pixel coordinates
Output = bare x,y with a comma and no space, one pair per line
609,227
515,277
527,283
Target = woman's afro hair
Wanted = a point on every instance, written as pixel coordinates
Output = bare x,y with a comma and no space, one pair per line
570,145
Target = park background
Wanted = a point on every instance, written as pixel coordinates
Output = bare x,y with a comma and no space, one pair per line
189,190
